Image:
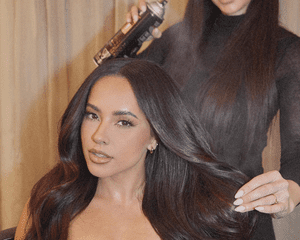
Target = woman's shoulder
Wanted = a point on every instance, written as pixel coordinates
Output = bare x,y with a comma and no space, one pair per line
288,50
23,223
284,33
286,39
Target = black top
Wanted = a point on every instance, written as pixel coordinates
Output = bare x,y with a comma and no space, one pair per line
287,101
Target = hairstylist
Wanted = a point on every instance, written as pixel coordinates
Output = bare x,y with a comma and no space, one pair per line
237,67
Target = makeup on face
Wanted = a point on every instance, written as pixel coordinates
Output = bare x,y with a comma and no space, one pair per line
115,133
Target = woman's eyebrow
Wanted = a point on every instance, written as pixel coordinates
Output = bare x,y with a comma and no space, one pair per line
115,113
119,113
93,107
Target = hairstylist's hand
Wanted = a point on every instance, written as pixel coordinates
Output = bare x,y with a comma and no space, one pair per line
133,16
268,193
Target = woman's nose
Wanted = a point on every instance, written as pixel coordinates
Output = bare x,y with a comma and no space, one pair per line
100,136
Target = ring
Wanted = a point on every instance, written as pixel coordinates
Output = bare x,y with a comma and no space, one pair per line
276,201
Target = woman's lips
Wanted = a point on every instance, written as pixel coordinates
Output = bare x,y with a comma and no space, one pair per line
99,157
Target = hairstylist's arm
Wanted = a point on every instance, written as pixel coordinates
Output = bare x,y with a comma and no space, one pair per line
273,192
268,193
132,16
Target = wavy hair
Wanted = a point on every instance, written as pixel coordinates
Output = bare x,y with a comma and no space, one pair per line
188,193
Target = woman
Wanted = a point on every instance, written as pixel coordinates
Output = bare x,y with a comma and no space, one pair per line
237,67
134,164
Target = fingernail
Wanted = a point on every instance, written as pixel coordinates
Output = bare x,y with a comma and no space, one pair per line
240,209
238,201
259,208
156,33
239,194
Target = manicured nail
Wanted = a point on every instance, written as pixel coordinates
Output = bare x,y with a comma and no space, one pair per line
259,208
156,33
240,209
238,201
239,194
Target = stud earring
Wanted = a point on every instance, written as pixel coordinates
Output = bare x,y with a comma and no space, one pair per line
152,150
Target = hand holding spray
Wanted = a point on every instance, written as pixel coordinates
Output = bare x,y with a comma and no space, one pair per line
128,40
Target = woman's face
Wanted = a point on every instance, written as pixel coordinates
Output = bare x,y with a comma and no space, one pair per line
115,133
232,7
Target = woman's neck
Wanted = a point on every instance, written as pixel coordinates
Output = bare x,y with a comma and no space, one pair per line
121,191
225,21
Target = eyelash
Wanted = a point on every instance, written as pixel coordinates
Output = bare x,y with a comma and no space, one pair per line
91,115
121,123
127,122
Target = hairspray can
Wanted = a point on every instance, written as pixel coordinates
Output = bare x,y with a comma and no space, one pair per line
128,40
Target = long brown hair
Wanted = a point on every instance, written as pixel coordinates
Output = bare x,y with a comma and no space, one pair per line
245,67
188,193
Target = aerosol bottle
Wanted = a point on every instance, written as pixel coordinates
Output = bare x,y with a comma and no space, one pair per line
128,40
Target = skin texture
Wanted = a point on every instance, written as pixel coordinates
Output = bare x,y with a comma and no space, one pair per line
268,192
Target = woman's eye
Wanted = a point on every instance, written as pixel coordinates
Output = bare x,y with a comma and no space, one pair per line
91,116
125,123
